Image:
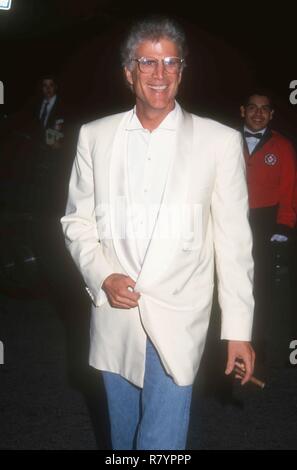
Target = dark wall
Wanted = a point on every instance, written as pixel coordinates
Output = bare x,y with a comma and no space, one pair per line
79,41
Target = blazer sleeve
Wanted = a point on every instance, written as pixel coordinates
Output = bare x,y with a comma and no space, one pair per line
79,224
286,215
233,242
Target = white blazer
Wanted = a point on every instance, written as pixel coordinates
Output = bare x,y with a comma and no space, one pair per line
176,279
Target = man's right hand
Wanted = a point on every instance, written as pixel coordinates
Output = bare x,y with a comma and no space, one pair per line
118,289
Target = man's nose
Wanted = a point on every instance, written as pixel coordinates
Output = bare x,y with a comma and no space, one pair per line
259,111
159,70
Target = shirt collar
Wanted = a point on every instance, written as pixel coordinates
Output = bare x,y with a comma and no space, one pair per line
246,129
168,123
51,101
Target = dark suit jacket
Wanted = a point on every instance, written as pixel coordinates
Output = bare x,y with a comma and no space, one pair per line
57,112
51,163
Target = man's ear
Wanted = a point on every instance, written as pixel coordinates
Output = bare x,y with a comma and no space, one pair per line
271,114
242,111
180,76
129,77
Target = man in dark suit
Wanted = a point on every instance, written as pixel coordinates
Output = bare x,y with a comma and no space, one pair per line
51,163
51,114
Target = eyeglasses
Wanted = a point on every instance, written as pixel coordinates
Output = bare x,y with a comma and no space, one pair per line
149,65
266,108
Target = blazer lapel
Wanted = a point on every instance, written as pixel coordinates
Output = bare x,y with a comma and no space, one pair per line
124,247
161,250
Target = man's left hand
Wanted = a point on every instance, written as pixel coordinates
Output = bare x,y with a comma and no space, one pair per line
243,351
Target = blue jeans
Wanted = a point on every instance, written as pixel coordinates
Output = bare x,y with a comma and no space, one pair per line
155,417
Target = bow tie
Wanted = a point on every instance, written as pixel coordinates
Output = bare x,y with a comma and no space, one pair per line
256,136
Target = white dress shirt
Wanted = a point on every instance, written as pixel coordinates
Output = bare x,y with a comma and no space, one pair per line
149,155
252,141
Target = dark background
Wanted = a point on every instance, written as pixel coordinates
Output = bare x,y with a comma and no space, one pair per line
233,46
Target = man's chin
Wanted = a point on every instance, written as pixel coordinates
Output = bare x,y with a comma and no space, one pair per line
257,128
161,105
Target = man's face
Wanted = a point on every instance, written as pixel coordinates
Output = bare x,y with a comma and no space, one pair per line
257,113
155,91
49,88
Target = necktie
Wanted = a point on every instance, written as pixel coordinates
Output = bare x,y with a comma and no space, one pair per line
256,136
44,113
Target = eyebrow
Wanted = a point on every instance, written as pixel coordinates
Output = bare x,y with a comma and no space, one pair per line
259,106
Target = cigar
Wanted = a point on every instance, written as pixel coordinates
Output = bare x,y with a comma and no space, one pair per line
239,369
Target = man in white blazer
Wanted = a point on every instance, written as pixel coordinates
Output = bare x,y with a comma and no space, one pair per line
154,193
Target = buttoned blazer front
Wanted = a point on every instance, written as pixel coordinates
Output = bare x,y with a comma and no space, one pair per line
207,175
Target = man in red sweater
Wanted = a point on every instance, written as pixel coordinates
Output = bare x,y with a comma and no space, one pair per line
271,175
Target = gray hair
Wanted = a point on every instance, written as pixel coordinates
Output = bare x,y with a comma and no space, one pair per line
153,28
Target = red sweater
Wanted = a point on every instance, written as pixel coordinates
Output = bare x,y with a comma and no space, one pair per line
271,176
